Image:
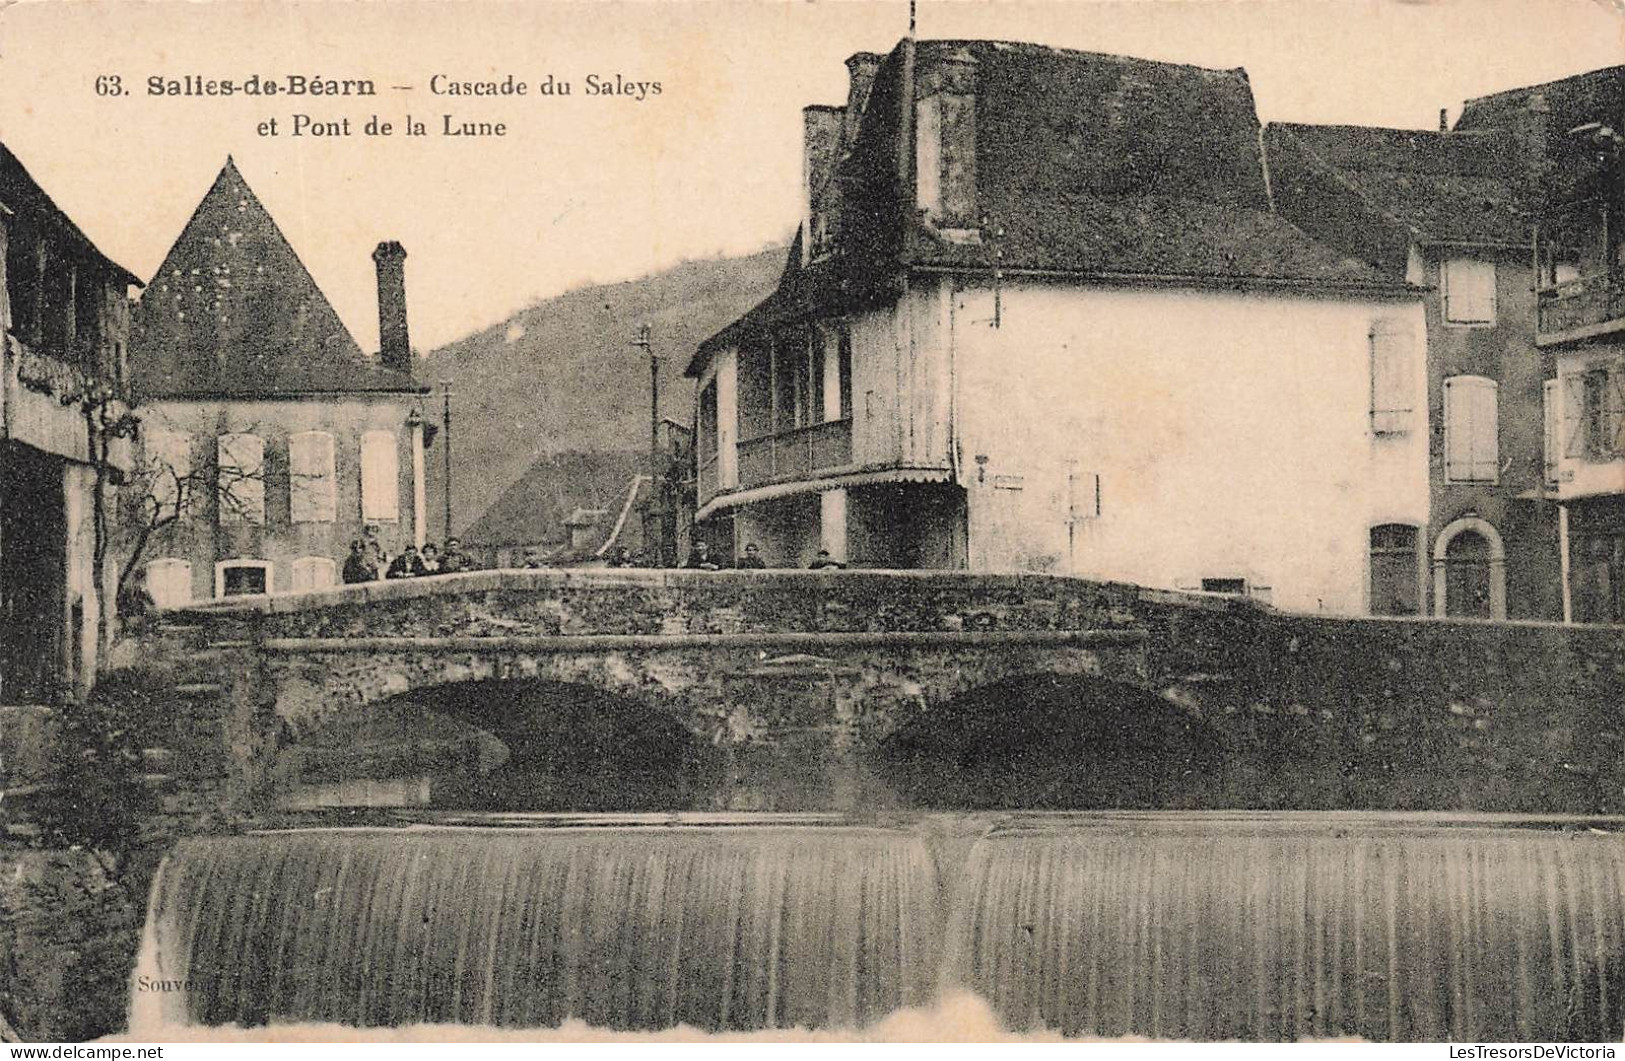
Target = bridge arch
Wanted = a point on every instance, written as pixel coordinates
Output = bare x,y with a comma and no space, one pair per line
1050,740
502,744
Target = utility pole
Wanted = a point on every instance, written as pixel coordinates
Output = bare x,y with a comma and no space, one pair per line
652,528
445,426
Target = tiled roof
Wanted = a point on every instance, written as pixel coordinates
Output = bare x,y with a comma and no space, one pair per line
1571,101
1373,191
22,195
1097,165
234,312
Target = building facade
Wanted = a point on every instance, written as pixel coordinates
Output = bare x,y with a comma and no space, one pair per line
269,441
64,330
1449,211
1574,163
1032,324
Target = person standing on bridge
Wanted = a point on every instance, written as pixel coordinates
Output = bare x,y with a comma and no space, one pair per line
454,559
752,560
700,558
359,566
407,565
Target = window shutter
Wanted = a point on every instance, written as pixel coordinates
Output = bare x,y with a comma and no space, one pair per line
1469,291
380,477
1471,431
169,463
1552,410
1574,415
169,582
240,479
1486,433
312,573
311,496
1390,378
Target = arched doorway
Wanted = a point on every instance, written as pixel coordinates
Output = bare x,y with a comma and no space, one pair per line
1469,571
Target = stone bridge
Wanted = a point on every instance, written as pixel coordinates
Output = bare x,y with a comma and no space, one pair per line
858,689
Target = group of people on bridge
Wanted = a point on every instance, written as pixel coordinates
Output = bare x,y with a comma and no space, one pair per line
700,559
369,562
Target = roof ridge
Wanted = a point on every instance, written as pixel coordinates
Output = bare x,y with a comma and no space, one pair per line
1349,182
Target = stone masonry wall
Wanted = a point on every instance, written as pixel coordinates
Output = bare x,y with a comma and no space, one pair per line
1312,712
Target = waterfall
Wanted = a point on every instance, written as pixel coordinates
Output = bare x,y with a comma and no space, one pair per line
1278,930
738,928
1261,927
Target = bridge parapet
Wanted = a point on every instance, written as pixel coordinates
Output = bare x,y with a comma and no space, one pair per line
552,603
1309,710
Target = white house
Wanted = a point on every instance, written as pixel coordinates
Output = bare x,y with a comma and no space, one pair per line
1034,323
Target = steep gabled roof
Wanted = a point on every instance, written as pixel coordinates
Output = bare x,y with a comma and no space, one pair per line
1103,167
233,311
1372,192
22,195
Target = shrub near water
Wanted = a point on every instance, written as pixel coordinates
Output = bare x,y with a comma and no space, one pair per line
75,916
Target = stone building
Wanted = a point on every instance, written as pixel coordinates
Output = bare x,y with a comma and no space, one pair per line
64,327
1573,162
1510,220
1042,315
1449,211
269,440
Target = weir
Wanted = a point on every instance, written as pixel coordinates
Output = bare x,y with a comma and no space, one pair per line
1205,926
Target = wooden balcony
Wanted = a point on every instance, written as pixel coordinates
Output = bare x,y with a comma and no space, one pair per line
792,455
1580,309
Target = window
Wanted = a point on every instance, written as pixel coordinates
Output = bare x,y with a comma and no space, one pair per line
313,573
169,582
1603,411
1469,291
706,442
793,386
1391,378
380,477
1395,570
311,497
239,578
240,479
1471,430
168,467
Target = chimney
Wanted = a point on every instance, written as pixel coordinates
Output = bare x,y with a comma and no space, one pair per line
821,133
861,68
945,139
1534,133
394,347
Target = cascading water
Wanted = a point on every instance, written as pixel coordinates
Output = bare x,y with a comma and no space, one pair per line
1299,927
738,928
1209,926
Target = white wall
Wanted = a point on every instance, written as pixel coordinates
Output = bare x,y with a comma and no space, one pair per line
1231,432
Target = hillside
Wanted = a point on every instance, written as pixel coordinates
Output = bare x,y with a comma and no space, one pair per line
534,506
560,377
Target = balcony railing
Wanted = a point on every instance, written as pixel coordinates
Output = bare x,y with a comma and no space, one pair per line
1587,306
796,454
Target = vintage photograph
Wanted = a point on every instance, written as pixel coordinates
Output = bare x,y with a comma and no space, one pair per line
896,521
